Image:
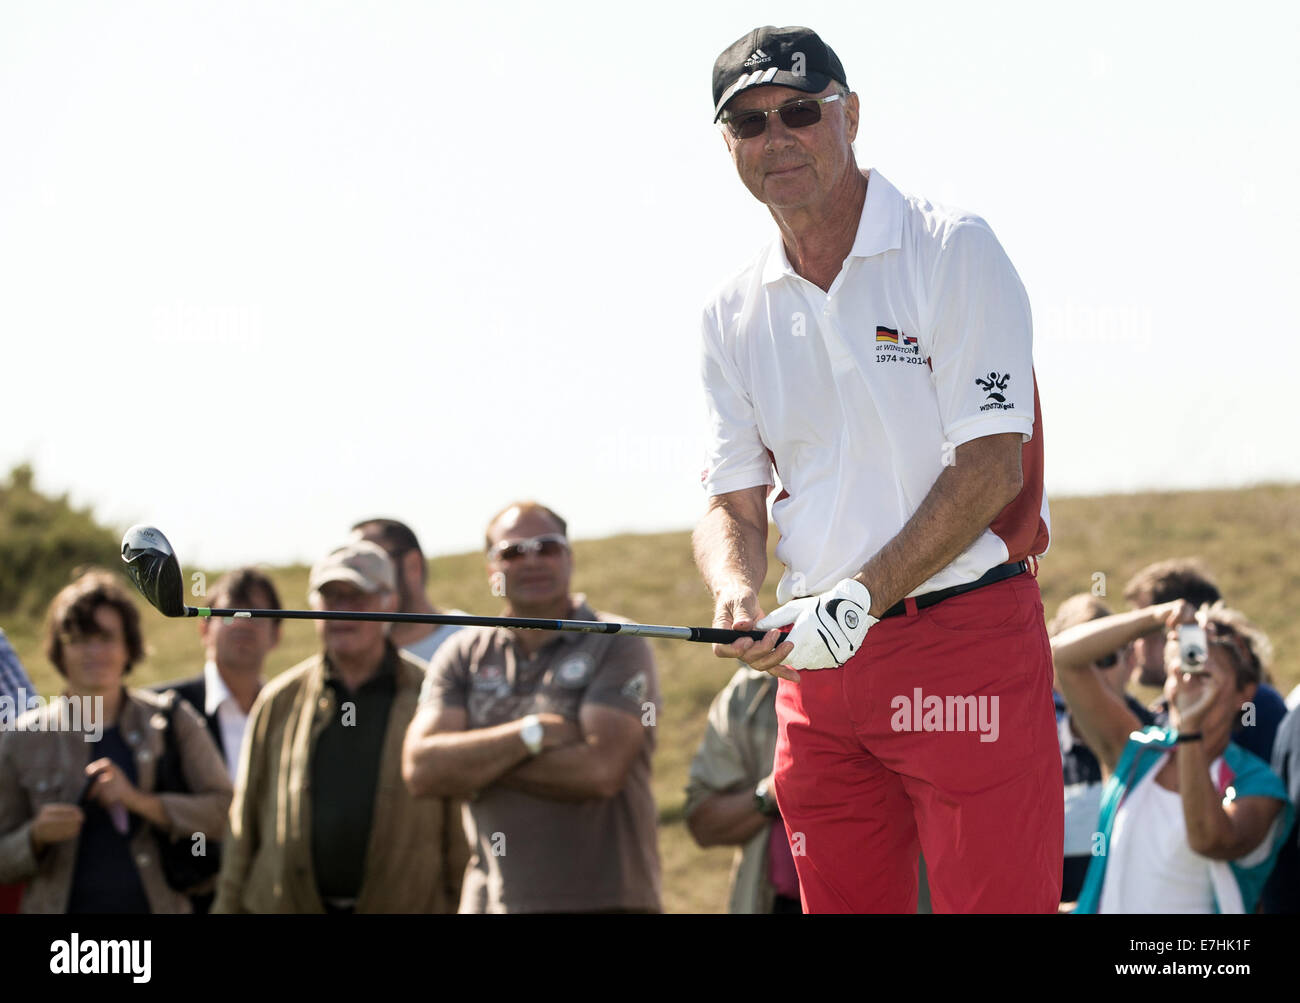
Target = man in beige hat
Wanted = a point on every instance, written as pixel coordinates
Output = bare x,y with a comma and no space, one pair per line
321,821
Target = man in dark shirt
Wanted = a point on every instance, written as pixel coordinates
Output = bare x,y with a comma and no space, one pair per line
321,820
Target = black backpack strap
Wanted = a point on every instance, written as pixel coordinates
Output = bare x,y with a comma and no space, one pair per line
170,775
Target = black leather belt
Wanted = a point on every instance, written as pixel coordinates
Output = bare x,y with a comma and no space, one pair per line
996,574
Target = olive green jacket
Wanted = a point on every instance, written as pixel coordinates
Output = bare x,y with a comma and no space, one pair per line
416,857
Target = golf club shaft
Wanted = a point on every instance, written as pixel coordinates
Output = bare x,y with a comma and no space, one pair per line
709,635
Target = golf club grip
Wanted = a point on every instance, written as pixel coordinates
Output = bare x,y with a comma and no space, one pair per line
716,635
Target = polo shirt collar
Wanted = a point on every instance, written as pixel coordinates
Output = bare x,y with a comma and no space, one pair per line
880,229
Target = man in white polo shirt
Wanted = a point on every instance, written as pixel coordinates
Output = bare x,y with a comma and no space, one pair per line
877,355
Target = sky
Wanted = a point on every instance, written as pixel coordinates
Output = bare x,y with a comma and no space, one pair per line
270,268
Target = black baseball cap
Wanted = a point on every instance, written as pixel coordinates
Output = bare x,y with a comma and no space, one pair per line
788,57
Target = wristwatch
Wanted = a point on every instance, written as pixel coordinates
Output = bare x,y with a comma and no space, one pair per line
763,800
532,733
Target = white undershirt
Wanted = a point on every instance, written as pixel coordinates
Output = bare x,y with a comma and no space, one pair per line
1151,867
230,718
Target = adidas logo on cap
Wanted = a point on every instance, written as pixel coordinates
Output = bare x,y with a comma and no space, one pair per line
797,55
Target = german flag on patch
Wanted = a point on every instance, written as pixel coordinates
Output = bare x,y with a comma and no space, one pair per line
887,334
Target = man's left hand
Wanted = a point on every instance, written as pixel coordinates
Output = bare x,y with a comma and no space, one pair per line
828,629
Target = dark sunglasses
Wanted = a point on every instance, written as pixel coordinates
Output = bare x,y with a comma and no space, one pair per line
794,115
546,546
1109,661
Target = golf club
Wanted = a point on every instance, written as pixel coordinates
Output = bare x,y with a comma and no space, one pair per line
153,568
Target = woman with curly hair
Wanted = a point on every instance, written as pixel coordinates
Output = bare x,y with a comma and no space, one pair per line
80,819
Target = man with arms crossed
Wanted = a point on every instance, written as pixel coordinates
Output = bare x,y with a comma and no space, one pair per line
878,355
548,735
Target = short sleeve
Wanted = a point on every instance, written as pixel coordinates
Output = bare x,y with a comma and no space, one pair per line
735,457
979,337
625,679
719,765
446,680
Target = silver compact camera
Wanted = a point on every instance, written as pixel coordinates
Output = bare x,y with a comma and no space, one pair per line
1193,648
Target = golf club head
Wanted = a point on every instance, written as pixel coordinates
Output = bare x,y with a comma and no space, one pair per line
152,566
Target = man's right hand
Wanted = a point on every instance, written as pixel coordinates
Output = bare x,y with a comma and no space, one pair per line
558,730
740,611
55,823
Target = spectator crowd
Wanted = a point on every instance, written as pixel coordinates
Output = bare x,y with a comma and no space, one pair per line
410,768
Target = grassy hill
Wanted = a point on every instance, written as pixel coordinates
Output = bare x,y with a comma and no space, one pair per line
1250,538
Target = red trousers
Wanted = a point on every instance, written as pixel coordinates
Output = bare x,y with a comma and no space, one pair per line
939,734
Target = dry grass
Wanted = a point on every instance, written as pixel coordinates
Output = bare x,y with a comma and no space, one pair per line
1250,538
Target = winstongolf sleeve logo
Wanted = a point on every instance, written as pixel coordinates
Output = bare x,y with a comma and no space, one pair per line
102,957
993,386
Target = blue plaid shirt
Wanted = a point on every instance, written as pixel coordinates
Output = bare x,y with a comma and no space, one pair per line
12,676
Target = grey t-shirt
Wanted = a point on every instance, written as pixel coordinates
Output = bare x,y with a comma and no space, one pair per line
425,647
534,854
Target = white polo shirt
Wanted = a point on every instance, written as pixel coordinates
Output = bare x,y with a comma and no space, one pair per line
858,395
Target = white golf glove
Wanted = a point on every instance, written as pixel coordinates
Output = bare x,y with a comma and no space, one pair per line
828,629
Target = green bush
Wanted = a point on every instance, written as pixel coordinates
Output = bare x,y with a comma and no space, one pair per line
42,541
